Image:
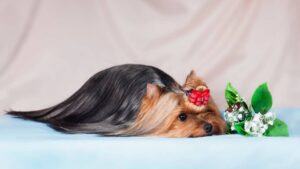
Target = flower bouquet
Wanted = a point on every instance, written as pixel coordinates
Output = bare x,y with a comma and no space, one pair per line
253,120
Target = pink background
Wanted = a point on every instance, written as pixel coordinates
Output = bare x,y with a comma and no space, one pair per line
49,48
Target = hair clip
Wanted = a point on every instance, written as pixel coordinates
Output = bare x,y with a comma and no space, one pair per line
198,97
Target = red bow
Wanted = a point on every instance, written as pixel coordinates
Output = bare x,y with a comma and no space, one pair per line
198,97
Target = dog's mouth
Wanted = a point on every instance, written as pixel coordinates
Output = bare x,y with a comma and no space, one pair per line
218,131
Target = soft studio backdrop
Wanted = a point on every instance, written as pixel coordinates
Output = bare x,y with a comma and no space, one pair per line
49,48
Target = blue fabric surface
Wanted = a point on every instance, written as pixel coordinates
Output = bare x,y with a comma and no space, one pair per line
27,144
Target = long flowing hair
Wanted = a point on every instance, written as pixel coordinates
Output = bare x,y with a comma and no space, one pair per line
107,103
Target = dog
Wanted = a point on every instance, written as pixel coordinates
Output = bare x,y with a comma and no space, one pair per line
135,100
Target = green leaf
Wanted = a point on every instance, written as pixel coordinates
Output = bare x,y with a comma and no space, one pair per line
231,95
239,127
262,99
279,128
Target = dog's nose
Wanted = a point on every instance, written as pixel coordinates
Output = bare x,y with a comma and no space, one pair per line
208,128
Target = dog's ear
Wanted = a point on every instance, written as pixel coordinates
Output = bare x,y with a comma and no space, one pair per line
193,80
153,91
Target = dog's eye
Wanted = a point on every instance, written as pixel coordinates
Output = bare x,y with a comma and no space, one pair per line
182,116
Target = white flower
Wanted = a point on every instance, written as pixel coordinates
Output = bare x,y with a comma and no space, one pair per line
259,123
256,126
232,127
269,118
240,116
257,117
235,114
229,117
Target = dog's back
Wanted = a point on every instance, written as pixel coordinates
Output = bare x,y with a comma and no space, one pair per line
106,103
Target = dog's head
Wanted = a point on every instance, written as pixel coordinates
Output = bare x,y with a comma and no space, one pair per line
170,114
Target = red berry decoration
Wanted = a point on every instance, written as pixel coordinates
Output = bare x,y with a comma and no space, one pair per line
198,97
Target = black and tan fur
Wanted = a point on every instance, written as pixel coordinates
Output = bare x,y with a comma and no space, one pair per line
129,100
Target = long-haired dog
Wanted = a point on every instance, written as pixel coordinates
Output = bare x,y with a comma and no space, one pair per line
129,100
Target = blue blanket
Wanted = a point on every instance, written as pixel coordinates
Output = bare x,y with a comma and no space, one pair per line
27,144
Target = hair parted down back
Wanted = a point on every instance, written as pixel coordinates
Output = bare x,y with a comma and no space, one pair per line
107,103
134,99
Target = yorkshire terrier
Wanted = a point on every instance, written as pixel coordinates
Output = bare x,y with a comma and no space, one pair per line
135,100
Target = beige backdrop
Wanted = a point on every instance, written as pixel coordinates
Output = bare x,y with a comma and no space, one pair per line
48,48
